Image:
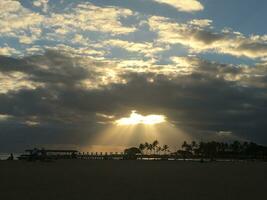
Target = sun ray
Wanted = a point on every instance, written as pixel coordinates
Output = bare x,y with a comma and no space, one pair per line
136,129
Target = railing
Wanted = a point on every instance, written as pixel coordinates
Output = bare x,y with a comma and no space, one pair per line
123,156
68,154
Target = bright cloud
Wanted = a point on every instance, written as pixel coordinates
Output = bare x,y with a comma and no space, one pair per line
201,22
14,17
15,81
88,17
42,3
7,51
184,5
198,39
4,117
27,26
148,49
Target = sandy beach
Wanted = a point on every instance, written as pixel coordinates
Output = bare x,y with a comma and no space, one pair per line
142,180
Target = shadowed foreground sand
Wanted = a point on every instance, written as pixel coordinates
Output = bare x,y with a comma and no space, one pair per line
137,180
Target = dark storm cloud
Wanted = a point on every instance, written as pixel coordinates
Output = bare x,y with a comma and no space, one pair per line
199,103
50,67
62,111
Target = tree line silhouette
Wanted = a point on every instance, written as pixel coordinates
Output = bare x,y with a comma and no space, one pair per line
153,147
203,150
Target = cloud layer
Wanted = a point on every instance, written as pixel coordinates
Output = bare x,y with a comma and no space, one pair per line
53,106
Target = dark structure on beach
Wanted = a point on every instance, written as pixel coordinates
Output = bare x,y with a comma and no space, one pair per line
48,154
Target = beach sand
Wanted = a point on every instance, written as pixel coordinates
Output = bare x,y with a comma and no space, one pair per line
136,180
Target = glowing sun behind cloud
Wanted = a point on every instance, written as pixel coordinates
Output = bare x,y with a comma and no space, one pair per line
136,118
134,129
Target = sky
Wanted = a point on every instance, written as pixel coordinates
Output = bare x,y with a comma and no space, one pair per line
71,70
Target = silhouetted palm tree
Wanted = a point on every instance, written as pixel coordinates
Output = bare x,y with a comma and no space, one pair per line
245,147
235,147
146,146
154,145
165,148
210,150
184,145
142,147
150,147
187,147
159,149
194,146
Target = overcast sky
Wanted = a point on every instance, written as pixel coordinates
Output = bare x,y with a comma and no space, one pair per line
69,69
